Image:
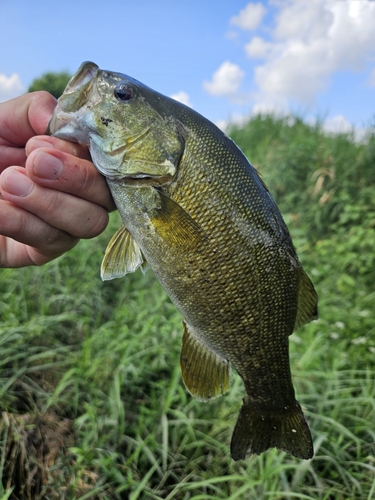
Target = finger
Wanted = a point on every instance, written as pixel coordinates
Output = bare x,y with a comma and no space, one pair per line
46,141
78,217
21,119
26,116
11,155
28,240
69,174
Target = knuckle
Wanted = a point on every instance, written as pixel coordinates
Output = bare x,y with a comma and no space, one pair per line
87,180
53,203
96,222
58,242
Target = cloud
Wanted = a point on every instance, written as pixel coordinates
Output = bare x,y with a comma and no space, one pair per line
182,97
226,80
250,17
338,124
234,119
310,42
222,124
271,106
257,48
304,21
10,87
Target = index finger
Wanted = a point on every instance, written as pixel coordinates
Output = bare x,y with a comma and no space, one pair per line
20,119
23,117
64,172
48,141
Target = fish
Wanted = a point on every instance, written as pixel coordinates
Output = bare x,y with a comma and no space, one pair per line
196,212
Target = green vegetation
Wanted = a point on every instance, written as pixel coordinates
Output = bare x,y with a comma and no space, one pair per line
92,402
54,83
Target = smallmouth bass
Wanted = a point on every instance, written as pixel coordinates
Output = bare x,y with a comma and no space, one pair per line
198,214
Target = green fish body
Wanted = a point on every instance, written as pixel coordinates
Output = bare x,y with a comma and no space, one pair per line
197,213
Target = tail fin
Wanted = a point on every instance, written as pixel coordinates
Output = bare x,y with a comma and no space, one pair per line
257,430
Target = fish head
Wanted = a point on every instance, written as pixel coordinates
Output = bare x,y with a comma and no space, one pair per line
126,125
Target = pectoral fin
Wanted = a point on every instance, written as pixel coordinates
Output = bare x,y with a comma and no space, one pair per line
175,225
205,373
122,256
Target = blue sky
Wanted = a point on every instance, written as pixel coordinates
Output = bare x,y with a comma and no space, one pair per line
227,59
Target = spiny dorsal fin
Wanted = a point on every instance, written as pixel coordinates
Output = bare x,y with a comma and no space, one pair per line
205,374
307,301
122,256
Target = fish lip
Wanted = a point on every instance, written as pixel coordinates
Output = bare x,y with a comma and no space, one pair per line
79,87
72,103
85,73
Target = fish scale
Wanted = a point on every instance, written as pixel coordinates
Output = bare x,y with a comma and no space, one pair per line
198,214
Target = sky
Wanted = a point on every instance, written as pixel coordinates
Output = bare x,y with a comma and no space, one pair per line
227,59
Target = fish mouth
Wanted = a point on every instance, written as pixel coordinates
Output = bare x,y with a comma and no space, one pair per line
71,105
78,88
85,73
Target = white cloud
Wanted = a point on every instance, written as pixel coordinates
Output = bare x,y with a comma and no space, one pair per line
296,72
258,48
338,124
222,124
305,21
10,87
250,17
226,80
235,119
182,97
311,40
269,107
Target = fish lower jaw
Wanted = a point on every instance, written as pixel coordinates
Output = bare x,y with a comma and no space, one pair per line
64,127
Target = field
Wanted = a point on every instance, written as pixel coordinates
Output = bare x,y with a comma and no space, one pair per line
93,406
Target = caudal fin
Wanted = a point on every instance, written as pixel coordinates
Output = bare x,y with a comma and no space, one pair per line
257,430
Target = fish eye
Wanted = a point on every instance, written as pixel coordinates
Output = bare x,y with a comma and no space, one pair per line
123,92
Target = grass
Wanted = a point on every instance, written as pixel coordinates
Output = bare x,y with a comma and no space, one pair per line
92,401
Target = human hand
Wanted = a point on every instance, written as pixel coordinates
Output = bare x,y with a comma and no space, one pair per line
51,194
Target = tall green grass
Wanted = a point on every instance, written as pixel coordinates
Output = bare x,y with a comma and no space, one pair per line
105,356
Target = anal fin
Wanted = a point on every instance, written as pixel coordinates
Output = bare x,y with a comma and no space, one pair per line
122,256
206,375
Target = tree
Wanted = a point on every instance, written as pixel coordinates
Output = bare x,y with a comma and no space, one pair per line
54,83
